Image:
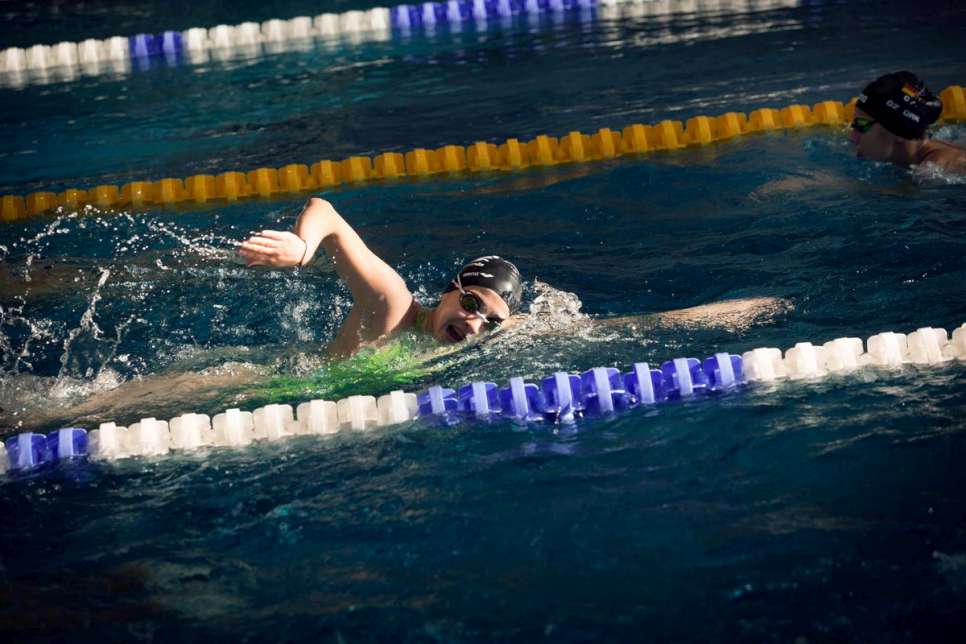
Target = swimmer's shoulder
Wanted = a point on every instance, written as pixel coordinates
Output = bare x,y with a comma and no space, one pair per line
946,155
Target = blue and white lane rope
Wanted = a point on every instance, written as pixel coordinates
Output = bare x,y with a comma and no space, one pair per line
559,398
115,54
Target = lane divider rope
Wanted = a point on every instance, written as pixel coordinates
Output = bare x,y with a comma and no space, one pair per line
113,54
482,156
559,398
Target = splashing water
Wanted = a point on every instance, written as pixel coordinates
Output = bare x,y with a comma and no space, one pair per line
86,325
931,174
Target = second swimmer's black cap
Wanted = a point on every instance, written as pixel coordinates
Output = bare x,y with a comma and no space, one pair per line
901,103
494,273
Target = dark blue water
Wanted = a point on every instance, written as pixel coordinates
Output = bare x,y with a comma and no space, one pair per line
825,511
560,73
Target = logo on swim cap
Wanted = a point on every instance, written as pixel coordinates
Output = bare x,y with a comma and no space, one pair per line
902,104
494,273
910,90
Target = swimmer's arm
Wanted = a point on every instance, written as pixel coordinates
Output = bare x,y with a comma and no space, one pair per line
727,314
950,159
370,279
801,183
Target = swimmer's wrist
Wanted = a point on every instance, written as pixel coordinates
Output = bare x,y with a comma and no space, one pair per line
305,251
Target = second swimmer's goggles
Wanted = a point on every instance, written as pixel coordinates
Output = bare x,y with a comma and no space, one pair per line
861,124
471,303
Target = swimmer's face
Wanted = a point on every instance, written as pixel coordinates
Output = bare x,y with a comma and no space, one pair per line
453,323
878,144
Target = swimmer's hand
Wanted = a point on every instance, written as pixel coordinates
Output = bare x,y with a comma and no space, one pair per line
273,248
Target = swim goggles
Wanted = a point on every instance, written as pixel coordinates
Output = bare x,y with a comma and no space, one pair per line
471,303
861,124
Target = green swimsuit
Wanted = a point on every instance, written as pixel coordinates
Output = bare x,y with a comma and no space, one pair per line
401,363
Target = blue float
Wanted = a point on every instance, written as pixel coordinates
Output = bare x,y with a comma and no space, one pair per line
171,43
723,371
465,9
406,16
563,397
439,404
522,400
645,384
604,390
683,377
480,399
70,442
27,450
145,46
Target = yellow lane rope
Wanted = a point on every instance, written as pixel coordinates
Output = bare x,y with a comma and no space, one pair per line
543,150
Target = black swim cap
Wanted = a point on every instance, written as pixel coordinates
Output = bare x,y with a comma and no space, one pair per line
494,273
901,103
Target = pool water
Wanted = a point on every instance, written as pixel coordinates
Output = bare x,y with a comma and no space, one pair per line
809,511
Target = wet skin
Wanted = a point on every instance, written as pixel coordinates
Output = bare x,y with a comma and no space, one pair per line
879,144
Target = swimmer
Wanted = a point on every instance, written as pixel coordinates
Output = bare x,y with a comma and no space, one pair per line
481,298
484,297
891,118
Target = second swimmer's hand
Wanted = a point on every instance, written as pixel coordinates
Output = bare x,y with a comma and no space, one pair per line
273,248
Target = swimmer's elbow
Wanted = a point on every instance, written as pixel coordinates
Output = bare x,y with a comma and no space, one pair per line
317,202
319,210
